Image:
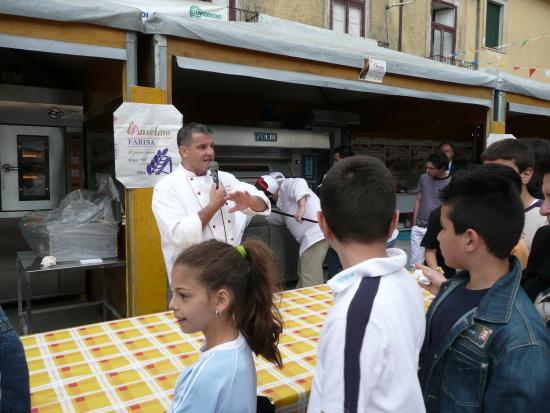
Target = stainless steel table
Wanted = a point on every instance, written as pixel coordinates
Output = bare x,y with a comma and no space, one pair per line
28,265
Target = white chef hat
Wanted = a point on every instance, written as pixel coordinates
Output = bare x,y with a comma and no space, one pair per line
278,176
267,183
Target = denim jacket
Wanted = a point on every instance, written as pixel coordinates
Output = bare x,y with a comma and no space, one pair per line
5,324
496,358
14,374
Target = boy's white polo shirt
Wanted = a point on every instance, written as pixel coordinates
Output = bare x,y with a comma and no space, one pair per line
391,344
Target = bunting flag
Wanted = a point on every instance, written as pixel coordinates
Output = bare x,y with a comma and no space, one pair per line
530,69
499,48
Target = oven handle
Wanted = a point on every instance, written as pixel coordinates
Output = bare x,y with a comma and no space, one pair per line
8,168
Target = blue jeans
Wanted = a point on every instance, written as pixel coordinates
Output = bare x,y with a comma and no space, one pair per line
14,373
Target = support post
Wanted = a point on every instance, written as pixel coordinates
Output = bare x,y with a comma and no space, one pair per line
145,270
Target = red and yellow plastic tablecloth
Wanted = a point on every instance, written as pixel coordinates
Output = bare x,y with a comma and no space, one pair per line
131,365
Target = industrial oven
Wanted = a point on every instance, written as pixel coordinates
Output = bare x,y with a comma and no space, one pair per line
249,152
40,161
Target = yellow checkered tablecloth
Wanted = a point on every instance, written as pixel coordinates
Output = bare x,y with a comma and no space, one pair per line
131,365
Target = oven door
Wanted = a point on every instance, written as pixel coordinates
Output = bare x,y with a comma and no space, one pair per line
32,167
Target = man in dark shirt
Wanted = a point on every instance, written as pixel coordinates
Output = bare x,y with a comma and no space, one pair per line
536,277
433,255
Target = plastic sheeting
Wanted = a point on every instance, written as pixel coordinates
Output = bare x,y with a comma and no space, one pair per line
102,13
288,38
272,35
522,86
83,226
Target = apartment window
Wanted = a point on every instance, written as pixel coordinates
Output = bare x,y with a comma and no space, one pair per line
443,28
348,16
493,24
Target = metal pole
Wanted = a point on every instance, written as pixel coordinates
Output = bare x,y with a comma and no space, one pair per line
292,216
161,78
387,32
478,30
131,63
400,32
499,106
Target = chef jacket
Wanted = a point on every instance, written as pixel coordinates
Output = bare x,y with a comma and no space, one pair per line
306,233
177,200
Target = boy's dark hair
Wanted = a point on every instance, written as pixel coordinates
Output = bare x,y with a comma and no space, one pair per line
486,199
544,167
510,150
186,132
252,280
541,152
344,151
358,199
439,159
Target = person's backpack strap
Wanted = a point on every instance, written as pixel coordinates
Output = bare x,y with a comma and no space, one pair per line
356,324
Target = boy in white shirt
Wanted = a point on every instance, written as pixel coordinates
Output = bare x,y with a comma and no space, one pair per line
367,358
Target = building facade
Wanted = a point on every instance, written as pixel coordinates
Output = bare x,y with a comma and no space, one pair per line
508,35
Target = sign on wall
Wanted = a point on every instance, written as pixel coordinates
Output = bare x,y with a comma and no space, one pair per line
145,143
373,70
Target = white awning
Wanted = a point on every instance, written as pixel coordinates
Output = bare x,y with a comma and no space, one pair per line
529,109
56,46
320,81
101,13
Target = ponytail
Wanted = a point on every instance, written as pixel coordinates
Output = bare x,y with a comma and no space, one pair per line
257,316
252,274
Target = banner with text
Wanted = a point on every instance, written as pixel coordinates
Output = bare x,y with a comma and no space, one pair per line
145,143
183,8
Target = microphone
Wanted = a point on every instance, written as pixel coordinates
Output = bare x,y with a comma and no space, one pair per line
214,167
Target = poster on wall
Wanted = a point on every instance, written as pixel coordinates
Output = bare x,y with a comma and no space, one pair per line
145,143
373,70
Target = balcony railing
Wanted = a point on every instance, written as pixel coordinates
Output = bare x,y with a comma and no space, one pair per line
241,15
455,62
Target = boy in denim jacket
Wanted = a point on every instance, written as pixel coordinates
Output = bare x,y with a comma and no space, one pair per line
486,348
14,374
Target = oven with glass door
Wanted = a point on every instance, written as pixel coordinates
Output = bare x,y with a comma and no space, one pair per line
32,167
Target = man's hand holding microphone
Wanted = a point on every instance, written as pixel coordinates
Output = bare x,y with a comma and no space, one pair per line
219,196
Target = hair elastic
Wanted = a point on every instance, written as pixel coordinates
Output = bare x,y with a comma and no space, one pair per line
241,250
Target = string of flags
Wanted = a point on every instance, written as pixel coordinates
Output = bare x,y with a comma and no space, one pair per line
521,43
530,69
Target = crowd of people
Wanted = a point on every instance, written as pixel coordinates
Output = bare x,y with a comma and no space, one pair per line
482,346
481,237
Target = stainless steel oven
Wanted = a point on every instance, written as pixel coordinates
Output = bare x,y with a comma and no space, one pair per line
41,144
249,152
32,167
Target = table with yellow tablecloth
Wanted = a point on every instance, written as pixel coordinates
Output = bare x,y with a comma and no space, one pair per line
131,365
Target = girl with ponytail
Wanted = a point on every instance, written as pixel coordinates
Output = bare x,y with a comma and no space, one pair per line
227,293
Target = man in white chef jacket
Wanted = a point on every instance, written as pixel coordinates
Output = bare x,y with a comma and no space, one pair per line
294,198
188,207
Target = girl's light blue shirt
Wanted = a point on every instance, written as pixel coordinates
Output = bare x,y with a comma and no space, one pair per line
223,380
